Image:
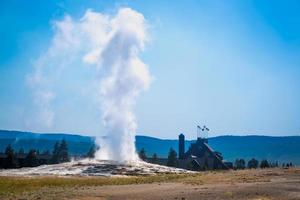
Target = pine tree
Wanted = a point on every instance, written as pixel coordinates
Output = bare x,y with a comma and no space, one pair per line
172,158
264,164
240,164
10,160
63,152
31,159
253,163
142,154
55,154
91,152
154,158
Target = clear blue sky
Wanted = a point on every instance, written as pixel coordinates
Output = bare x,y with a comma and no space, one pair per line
231,65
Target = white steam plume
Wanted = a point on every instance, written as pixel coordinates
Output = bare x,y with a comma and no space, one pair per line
112,44
127,76
48,69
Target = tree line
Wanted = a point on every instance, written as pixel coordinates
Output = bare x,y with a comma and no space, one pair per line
254,164
171,161
33,157
238,164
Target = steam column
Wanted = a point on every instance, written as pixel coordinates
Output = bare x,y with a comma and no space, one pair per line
181,146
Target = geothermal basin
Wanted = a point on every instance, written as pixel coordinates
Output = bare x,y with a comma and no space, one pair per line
89,167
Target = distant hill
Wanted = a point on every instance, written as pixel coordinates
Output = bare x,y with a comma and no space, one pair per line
282,149
27,140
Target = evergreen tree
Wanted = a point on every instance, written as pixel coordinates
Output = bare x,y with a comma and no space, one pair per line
10,160
55,154
142,154
63,152
31,159
172,158
154,158
91,152
240,164
264,164
287,165
60,152
253,164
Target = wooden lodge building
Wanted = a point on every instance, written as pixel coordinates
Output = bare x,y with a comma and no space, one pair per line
199,156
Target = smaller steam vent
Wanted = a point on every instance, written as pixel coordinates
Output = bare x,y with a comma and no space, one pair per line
202,133
181,146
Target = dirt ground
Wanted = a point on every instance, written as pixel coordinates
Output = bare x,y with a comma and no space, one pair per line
258,191
270,184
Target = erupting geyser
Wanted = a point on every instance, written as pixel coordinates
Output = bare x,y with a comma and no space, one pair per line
127,76
112,44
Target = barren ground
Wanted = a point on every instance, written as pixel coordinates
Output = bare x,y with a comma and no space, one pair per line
244,184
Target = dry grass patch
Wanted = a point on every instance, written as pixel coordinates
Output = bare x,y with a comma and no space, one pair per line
17,185
213,177
36,187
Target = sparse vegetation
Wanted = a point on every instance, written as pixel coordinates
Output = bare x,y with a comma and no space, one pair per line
33,187
17,185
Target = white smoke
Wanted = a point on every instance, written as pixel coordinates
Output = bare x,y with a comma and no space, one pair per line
112,44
